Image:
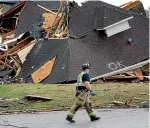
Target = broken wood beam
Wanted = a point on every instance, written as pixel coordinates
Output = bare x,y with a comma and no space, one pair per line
56,20
47,9
119,77
5,29
131,5
14,10
126,4
5,64
8,34
60,22
122,70
139,75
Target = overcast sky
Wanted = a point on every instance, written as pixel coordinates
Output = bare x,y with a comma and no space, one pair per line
120,2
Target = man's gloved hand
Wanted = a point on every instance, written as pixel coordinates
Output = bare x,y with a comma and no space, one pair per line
93,93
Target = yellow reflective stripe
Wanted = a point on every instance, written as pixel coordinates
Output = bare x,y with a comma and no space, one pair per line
92,114
81,78
70,114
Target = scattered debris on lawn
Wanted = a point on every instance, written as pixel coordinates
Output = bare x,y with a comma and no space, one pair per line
143,94
8,99
4,105
144,104
36,98
135,98
121,104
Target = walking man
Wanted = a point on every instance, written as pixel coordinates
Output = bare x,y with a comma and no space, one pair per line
83,92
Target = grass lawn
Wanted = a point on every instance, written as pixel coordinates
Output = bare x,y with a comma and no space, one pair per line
63,95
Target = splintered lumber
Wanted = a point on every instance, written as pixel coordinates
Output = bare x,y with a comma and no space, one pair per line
120,77
8,34
37,98
5,29
61,21
56,19
5,64
22,44
44,71
14,10
65,32
139,74
18,64
131,5
122,70
126,4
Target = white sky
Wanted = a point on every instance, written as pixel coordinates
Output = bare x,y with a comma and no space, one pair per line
120,2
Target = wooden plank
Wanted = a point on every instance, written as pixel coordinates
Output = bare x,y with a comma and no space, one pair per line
5,29
5,64
139,74
135,66
120,77
126,4
8,34
131,5
44,71
14,10
56,20
47,9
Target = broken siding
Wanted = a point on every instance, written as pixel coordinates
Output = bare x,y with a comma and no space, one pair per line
23,53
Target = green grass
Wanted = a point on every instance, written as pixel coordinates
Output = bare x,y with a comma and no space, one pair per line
63,95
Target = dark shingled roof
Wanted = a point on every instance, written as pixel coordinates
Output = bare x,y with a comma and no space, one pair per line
106,16
41,53
105,54
30,18
92,15
102,53
52,5
139,8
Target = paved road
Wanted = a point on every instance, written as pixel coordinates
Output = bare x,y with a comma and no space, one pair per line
119,118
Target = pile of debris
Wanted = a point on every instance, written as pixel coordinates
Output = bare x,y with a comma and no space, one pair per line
21,27
47,41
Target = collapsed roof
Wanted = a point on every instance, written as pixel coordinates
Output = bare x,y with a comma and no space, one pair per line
109,37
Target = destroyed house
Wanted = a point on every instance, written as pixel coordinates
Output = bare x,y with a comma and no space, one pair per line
107,36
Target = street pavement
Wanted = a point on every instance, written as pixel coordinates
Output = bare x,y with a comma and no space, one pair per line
110,118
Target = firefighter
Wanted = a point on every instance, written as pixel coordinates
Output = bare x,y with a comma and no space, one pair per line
83,93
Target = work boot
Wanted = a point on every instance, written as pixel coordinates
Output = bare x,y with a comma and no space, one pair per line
68,118
94,118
